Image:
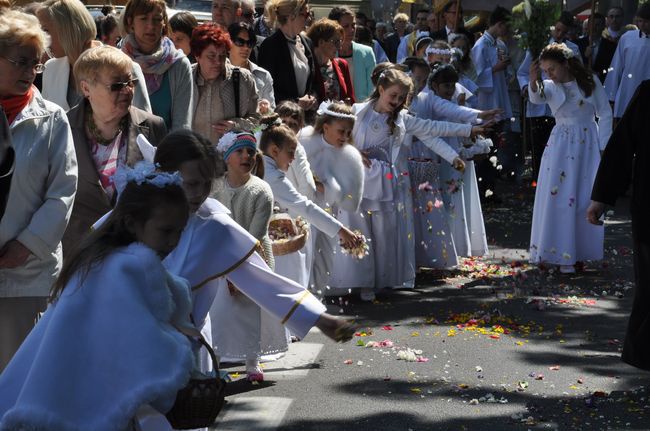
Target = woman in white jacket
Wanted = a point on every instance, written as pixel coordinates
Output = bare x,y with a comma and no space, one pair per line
383,132
42,188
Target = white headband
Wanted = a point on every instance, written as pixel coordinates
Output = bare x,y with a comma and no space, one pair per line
323,109
437,51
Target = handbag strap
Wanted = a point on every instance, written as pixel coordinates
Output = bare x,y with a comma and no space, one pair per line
236,74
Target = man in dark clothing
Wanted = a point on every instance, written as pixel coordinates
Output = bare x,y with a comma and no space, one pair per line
599,52
627,160
452,13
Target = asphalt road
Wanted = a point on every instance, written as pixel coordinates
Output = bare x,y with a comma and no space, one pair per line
501,346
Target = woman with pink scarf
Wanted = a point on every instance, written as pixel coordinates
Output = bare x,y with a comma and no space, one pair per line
167,71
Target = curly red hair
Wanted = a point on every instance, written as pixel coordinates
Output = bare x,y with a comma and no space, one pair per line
209,34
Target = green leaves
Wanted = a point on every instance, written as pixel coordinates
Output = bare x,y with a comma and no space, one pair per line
534,32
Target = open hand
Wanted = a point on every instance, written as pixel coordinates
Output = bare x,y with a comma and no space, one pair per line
490,114
480,130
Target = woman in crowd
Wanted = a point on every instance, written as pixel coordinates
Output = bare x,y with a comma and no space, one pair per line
67,42
167,71
226,97
104,128
182,25
243,41
333,80
42,188
288,55
108,30
361,58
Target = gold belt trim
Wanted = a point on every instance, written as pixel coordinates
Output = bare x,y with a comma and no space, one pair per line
232,268
293,308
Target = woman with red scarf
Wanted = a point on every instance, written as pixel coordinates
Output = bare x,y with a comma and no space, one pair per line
333,80
40,195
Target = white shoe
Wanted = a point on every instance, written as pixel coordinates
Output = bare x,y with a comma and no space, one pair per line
367,295
567,269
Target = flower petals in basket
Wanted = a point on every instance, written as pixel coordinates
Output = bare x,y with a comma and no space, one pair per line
287,235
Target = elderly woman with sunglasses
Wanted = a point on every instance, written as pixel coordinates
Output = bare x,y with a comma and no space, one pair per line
42,188
243,41
67,42
226,97
104,126
333,80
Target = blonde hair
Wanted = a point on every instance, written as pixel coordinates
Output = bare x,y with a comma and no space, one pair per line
73,25
19,29
279,11
101,58
388,78
328,119
401,17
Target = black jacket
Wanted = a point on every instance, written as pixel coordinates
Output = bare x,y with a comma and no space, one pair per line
275,57
627,160
442,35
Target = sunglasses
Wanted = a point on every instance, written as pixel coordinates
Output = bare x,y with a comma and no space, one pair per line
244,42
248,15
116,87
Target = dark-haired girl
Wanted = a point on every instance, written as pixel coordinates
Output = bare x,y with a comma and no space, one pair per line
214,247
560,233
110,330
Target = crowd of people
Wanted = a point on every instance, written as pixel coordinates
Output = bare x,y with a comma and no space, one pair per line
151,168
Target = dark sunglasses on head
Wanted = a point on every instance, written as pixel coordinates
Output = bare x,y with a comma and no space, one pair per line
244,42
248,15
119,86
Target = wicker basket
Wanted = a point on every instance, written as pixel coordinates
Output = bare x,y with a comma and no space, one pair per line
200,401
290,245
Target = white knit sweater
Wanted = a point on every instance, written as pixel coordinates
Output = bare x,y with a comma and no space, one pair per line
251,206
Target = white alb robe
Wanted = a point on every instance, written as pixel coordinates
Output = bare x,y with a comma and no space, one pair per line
630,66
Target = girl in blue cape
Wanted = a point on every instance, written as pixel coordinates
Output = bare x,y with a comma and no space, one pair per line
108,345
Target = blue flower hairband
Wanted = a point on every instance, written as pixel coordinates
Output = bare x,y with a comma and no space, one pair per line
144,172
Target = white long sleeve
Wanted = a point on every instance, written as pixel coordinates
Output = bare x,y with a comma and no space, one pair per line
428,131
292,304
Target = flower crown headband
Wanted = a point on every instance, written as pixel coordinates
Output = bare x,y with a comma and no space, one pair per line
323,109
144,172
437,51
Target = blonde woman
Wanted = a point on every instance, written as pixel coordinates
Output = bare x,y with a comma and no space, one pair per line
288,55
72,31
42,187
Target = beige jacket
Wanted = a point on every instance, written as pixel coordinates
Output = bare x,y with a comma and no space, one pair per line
41,195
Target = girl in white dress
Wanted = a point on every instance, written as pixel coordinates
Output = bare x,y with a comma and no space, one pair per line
278,143
383,133
298,265
240,328
459,189
560,233
338,167
110,330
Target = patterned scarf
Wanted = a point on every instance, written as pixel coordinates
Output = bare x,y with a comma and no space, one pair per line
153,65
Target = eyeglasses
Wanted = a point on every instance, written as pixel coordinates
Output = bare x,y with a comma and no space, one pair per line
116,87
244,42
335,42
248,15
24,64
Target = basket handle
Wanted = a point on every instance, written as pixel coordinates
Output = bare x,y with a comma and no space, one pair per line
195,333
